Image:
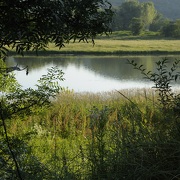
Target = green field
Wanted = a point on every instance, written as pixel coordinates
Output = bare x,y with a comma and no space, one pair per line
109,46
122,42
119,43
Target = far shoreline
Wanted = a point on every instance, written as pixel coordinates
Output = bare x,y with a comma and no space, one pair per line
111,46
51,52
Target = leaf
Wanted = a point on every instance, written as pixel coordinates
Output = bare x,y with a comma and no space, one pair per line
176,76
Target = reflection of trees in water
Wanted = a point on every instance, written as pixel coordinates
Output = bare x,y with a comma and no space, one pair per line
117,67
37,62
107,66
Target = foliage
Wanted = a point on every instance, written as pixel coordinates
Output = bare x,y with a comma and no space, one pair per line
110,136
26,100
129,10
125,13
158,22
30,166
76,138
98,145
169,9
31,25
172,29
148,14
162,80
20,103
8,81
136,26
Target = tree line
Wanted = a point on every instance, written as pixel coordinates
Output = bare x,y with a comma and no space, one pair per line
169,9
137,17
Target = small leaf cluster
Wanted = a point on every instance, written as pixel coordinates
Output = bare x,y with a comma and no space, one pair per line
29,100
162,79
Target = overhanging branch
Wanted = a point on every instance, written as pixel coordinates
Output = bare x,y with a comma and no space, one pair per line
14,68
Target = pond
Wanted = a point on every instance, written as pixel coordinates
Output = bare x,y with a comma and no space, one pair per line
87,73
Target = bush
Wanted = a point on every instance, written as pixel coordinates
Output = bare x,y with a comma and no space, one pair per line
136,26
172,29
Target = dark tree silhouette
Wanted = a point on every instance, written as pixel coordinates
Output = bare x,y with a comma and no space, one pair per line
32,24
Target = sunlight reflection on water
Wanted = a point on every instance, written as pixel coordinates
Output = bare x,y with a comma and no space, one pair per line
85,73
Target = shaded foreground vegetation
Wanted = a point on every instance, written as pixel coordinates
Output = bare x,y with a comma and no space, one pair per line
133,134
97,136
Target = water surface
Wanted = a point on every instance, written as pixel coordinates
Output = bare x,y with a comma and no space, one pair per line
88,73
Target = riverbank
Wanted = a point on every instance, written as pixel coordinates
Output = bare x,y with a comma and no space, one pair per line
123,43
109,46
117,47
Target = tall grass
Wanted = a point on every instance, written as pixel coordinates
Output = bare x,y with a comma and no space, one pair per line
115,135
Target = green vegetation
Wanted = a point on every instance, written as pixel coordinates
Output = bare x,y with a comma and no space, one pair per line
117,135
19,103
128,10
31,25
119,42
169,9
142,16
91,136
172,29
122,43
51,133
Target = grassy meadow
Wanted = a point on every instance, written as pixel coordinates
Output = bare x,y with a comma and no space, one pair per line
109,46
123,43
120,42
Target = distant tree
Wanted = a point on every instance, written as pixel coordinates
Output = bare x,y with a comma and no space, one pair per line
177,28
172,29
168,30
158,22
148,14
136,26
126,12
134,9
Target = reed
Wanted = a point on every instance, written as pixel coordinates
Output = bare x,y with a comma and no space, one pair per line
112,135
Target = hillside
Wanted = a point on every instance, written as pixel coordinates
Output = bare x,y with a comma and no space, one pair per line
169,8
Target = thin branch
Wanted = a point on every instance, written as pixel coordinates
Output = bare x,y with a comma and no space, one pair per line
9,146
130,101
14,68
